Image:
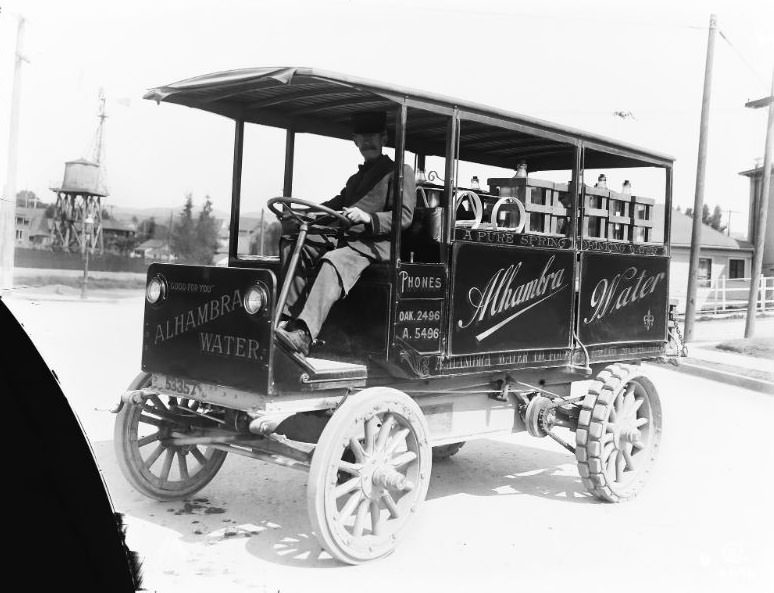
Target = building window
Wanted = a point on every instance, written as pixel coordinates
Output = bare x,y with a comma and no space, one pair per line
736,268
705,271
19,234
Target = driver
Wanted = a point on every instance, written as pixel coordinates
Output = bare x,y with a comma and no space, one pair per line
327,269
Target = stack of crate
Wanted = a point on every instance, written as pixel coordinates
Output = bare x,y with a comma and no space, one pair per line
615,216
544,202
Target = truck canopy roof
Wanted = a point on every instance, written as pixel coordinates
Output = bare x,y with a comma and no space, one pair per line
322,102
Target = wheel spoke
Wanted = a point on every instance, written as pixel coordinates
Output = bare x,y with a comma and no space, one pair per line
349,506
357,449
150,420
350,468
198,455
159,404
362,511
371,429
637,405
384,432
389,502
395,440
376,518
628,397
627,453
346,487
164,475
403,459
641,422
182,466
619,467
151,438
154,456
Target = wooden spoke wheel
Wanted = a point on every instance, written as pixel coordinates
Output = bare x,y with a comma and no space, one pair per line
152,464
369,474
619,433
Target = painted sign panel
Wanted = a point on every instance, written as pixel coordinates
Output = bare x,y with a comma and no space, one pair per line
510,298
200,330
421,281
622,298
621,247
419,323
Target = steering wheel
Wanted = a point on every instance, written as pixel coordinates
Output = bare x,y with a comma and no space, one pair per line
304,216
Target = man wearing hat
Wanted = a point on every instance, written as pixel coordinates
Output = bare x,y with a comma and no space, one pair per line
327,271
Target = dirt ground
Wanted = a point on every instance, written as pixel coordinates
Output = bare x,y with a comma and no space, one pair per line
508,514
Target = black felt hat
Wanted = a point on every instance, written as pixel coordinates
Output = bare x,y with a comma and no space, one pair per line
369,122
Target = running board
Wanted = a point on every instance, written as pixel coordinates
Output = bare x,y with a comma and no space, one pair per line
316,373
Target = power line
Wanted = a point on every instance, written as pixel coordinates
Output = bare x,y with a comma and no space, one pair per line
741,57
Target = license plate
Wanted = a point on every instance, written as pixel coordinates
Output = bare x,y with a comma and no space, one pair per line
176,385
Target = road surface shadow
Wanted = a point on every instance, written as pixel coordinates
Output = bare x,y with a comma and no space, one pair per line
265,505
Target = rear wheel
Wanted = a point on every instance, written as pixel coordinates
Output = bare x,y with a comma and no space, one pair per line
149,461
369,474
619,433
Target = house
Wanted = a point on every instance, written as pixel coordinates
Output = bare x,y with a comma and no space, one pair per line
117,235
756,182
248,228
720,256
154,250
32,228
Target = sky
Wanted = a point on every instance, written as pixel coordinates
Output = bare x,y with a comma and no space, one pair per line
572,63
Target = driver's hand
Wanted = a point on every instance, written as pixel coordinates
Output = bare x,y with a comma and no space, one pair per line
355,215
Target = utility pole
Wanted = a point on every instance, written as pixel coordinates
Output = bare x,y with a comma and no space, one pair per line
760,216
698,201
8,199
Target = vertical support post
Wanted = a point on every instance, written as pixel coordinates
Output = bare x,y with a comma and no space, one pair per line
668,210
236,188
290,149
452,139
724,304
698,202
763,207
8,199
397,185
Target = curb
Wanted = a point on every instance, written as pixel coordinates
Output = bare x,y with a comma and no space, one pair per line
731,375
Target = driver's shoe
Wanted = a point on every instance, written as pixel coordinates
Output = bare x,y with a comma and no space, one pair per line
298,339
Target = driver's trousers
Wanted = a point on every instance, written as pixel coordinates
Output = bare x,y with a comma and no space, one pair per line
325,273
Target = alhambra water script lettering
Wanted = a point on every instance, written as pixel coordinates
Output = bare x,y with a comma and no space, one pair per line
620,291
193,318
505,294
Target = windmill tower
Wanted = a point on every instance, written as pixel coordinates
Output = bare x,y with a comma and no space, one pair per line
77,224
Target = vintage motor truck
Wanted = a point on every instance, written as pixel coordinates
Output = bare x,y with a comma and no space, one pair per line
523,297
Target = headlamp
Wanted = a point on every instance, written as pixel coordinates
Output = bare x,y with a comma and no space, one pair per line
156,290
255,298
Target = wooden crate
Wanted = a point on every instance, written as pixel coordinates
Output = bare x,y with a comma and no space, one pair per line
542,202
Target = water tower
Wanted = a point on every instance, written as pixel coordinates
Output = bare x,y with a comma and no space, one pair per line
77,224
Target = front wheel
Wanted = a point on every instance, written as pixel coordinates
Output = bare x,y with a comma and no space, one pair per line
370,472
149,461
619,433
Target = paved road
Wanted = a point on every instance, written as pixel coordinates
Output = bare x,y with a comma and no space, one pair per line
508,513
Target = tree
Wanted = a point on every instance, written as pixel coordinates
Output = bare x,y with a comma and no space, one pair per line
716,220
705,214
28,199
183,240
195,242
206,235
